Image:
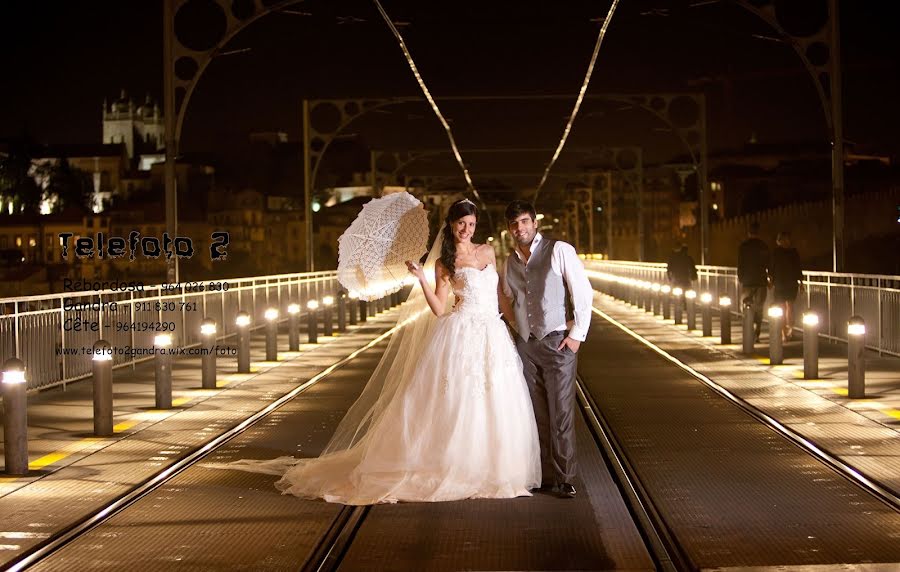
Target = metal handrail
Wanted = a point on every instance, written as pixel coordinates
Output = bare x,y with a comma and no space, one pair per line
834,296
51,332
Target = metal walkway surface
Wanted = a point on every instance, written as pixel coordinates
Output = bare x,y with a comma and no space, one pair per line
213,519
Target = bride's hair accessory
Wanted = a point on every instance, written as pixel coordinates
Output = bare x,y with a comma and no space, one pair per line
466,201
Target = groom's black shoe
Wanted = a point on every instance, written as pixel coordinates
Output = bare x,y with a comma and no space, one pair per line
546,488
566,491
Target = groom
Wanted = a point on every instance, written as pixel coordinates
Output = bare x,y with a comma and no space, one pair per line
540,275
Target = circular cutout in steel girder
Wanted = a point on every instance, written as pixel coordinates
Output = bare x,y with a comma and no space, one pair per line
626,159
325,117
243,9
351,108
683,111
818,53
317,144
200,24
186,68
386,163
801,18
658,104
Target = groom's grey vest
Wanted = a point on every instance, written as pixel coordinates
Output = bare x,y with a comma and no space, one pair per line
539,294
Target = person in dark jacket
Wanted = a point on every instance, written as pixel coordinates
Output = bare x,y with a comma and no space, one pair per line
681,270
787,279
753,275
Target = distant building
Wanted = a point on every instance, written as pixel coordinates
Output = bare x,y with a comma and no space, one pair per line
139,127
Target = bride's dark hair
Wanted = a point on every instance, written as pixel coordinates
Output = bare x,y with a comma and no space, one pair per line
457,210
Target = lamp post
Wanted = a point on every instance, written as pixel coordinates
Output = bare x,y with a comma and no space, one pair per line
677,293
163,385
271,316
312,321
706,313
776,348
242,321
101,366
327,302
666,292
810,345
15,418
725,319
690,296
856,358
208,361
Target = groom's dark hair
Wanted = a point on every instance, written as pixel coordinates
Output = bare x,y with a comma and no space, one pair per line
517,208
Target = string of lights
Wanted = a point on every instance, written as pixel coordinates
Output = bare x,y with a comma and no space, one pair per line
584,86
430,99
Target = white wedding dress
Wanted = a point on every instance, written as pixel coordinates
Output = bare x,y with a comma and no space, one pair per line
462,426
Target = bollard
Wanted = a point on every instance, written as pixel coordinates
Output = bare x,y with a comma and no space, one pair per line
353,305
656,303
371,308
328,302
271,316
293,333
163,385
725,320
810,345
776,347
242,321
748,336
666,292
689,297
856,358
15,418
677,293
208,361
312,321
101,366
647,289
342,311
363,311
706,313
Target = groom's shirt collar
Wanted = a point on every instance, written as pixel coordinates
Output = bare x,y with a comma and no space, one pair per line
534,244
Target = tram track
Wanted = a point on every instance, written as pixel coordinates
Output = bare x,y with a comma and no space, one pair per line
84,525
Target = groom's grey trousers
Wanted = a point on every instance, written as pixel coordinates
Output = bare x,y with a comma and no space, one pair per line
550,374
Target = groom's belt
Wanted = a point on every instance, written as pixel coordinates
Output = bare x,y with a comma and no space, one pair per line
553,334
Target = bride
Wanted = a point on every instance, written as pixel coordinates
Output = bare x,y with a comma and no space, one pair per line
447,414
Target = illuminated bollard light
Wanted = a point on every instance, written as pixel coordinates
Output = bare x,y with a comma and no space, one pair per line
690,297
810,345
856,358
354,304
328,303
208,361
242,321
677,293
342,311
163,386
293,328
747,336
776,347
271,316
15,418
656,301
666,292
706,313
725,320
101,368
363,311
312,321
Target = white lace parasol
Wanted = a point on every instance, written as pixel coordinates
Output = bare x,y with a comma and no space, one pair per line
373,251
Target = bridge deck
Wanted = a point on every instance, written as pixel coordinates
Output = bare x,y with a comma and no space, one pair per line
736,493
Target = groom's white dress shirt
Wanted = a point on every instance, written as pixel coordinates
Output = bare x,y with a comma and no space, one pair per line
565,262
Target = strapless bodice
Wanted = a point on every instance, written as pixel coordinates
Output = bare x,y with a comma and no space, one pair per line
475,290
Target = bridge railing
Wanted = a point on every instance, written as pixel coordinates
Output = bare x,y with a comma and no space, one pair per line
834,296
49,332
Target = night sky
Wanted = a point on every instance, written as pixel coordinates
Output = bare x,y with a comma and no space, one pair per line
62,58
